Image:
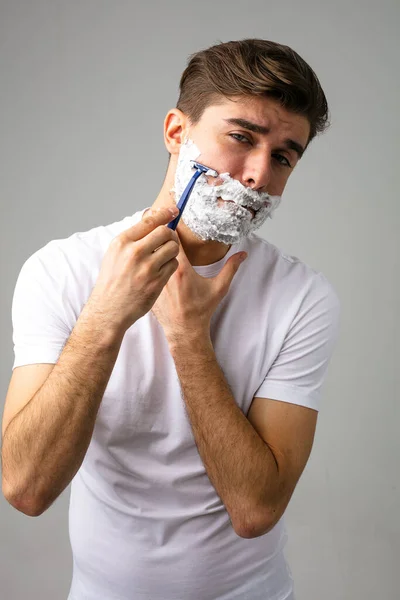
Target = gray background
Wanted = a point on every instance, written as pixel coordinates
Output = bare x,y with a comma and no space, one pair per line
85,86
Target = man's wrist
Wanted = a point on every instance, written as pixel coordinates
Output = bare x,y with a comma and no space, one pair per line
106,333
190,339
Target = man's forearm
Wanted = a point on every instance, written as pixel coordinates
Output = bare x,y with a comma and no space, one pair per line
239,464
45,443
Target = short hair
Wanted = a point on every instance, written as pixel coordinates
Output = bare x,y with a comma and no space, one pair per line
253,67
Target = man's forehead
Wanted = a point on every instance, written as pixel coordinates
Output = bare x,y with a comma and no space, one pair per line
264,113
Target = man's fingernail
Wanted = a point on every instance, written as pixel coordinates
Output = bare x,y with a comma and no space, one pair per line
174,211
243,257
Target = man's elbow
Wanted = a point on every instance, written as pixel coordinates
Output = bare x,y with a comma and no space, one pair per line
28,506
258,524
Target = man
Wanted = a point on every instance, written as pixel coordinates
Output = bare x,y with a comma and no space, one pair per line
177,388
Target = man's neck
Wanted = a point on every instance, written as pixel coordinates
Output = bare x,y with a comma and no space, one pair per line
198,251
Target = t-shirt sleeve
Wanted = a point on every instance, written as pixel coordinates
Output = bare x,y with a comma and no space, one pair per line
40,329
299,370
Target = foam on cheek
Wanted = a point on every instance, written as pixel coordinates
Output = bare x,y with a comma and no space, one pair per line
184,171
203,215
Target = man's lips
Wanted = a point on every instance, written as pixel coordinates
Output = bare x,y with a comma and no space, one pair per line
247,207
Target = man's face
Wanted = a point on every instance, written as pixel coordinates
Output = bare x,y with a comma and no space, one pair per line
253,139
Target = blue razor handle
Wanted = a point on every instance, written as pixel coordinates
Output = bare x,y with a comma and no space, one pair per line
200,169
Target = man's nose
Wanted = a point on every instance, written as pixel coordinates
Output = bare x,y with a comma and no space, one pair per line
257,171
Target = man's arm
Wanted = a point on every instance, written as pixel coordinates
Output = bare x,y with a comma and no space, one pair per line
45,443
253,478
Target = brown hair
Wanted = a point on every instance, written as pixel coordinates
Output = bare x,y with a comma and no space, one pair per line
253,67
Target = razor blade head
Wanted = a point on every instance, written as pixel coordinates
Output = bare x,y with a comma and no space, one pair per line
203,169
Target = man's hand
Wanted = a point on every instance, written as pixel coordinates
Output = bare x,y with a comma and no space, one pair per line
132,274
188,301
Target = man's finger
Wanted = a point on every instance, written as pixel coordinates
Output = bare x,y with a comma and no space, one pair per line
150,221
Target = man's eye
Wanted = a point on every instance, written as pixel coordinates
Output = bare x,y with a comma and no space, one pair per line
239,135
284,160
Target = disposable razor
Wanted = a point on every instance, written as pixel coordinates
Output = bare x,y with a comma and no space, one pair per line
200,169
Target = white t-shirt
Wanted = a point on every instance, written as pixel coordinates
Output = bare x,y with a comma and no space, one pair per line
145,521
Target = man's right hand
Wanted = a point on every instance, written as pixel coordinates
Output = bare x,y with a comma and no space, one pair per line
132,274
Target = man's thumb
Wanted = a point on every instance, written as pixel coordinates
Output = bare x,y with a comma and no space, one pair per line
230,269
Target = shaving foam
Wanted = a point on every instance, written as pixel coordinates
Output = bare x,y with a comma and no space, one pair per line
228,223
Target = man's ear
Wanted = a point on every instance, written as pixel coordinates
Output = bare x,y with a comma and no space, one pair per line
175,130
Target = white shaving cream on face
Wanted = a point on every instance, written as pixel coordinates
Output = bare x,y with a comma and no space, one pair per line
230,222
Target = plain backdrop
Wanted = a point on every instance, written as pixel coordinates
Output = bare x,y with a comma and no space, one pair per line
84,88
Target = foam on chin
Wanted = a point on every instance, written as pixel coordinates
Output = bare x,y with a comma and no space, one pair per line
230,222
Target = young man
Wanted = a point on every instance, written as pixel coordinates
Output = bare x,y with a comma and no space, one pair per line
176,387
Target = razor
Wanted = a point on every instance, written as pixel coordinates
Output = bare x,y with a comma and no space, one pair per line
200,170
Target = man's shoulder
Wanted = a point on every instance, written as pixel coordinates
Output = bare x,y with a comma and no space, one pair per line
272,255
288,270
80,253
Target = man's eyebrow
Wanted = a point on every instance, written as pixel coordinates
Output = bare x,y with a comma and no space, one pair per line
291,144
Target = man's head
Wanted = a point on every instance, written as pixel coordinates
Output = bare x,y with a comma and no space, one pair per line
251,107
